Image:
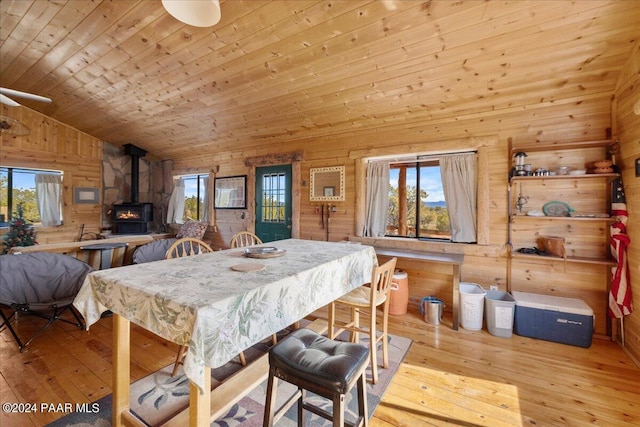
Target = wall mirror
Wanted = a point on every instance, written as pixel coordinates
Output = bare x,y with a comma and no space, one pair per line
327,184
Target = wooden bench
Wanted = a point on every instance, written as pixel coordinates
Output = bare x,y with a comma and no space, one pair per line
119,256
455,260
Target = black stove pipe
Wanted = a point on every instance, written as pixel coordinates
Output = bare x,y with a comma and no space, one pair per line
135,154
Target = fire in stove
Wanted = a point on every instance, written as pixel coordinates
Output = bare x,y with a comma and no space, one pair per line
132,218
128,215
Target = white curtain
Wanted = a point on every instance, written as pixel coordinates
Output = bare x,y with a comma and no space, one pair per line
49,195
377,199
205,199
459,182
175,210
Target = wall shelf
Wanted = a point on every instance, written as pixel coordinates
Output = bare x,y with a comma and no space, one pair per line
519,218
609,176
584,269
578,260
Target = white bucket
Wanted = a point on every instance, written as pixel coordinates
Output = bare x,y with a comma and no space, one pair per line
471,305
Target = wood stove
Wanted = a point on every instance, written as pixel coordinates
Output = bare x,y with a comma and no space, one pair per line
133,217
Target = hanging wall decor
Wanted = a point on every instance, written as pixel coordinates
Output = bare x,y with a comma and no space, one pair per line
230,192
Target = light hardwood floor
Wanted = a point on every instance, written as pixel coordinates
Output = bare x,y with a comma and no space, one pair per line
461,378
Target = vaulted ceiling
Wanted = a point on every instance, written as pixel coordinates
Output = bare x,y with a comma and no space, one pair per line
272,72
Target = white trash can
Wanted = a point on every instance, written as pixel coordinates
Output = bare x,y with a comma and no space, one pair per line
499,310
471,305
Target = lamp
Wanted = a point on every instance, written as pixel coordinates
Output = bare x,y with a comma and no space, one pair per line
520,169
199,13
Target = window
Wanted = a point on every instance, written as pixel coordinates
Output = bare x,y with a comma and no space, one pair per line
420,200
398,191
195,197
18,186
372,182
273,198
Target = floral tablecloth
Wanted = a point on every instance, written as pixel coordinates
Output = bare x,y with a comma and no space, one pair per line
219,312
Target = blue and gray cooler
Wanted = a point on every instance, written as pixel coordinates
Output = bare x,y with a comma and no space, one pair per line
563,320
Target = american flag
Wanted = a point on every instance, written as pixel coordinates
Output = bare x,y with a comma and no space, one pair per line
620,301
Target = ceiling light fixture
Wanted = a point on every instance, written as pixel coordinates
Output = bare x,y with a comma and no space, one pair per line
199,13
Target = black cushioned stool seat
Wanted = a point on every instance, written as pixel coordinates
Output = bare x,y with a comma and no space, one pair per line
313,362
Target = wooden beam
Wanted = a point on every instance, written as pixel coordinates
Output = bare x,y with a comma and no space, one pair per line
274,159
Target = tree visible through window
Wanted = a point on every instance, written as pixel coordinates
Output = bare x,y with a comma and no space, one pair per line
416,197
194,197
273,198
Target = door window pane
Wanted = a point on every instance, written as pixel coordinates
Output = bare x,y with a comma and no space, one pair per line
273,198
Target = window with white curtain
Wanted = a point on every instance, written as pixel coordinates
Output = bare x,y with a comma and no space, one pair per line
429,197
189,199
38,191
196,197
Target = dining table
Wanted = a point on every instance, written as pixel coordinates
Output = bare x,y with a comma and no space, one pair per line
218,304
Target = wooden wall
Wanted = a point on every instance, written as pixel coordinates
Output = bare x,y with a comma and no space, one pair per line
578,119
627,123
54,145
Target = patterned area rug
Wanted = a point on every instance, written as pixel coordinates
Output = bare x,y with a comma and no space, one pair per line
158,397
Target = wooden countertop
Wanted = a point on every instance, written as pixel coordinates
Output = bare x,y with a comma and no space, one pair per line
445,258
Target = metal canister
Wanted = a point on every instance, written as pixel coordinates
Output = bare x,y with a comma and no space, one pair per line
432,309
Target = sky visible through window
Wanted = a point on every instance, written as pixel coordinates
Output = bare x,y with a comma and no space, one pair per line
190,186
25,181
430,182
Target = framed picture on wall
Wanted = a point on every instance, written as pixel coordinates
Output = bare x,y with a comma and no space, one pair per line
230,192
82,195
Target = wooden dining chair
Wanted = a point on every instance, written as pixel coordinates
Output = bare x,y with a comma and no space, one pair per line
189,246
243,239
367,299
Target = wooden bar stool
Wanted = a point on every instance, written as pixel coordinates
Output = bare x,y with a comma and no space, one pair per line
314,363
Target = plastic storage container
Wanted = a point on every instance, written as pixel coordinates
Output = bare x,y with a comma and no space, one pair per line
499,308
558,319
399,299
471,305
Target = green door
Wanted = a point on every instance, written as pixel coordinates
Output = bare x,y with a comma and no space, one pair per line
273,203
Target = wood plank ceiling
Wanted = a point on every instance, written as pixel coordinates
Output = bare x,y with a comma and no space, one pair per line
127,72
